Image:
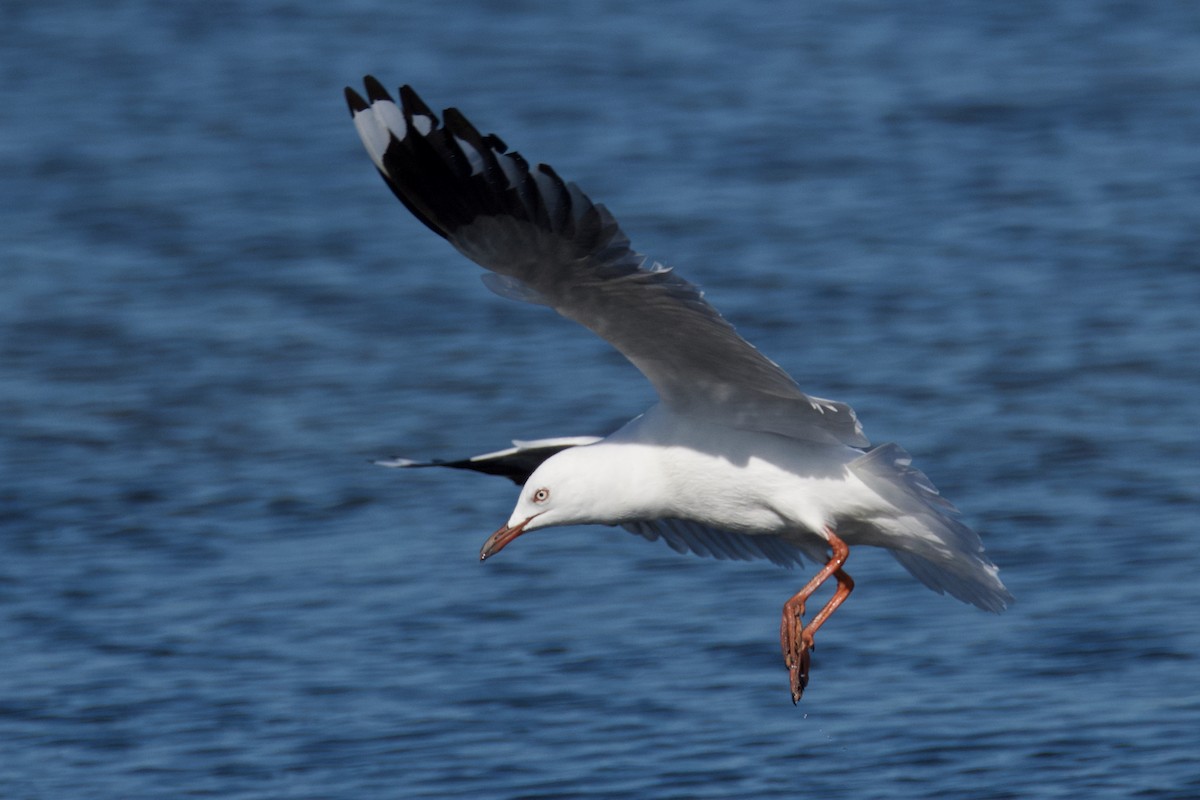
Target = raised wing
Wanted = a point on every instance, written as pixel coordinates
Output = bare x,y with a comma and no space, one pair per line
548,243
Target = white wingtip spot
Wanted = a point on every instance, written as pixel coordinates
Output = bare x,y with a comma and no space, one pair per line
389,114
374,135
422,123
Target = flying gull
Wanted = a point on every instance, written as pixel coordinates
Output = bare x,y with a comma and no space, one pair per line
734,461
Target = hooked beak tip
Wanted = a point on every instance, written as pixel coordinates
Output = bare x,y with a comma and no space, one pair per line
496,542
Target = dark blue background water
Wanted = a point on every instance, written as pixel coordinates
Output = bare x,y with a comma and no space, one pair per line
976,222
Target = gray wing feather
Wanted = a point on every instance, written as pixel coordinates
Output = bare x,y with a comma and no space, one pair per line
685,536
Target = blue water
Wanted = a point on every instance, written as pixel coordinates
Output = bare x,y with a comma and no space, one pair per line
976,222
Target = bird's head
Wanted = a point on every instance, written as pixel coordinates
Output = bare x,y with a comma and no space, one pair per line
580,486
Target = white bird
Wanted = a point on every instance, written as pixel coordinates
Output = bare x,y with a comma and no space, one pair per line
734,461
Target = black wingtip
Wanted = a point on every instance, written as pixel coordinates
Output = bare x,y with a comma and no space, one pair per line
355,101
375,90
496,143
463,129
414,105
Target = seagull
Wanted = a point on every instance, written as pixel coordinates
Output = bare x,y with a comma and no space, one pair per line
734,460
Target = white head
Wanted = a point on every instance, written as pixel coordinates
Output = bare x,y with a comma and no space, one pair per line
579,486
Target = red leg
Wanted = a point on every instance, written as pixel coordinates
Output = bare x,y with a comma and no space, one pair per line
795,638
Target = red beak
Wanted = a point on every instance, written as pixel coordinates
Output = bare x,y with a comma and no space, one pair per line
495,543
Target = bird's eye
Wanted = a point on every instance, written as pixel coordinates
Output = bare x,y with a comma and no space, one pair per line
541,495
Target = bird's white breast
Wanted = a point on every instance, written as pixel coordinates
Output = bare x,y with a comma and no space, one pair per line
743,481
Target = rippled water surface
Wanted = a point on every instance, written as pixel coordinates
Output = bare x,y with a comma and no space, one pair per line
975,222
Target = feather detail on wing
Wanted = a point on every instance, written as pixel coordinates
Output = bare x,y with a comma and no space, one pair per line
925,533
550,244
685,536
516,463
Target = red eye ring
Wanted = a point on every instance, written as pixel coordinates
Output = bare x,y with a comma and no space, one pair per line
541,495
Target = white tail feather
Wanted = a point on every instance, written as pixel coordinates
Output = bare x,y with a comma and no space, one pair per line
925,534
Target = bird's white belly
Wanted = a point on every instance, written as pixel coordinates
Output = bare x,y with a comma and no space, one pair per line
746,481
